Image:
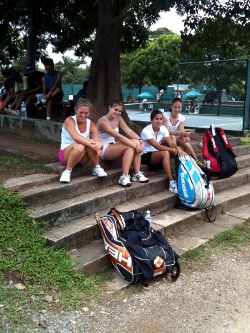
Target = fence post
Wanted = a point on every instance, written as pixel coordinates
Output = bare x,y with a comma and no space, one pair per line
247,103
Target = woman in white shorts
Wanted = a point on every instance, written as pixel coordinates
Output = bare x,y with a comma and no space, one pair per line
117,145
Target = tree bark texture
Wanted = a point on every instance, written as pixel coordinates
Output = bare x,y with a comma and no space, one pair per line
104,83
32,33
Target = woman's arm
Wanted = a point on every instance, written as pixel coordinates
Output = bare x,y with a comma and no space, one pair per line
127,130
105,127
95,136
183,133
172,145
160,147
69,125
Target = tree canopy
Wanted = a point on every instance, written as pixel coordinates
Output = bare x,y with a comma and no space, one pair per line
102,29
156,63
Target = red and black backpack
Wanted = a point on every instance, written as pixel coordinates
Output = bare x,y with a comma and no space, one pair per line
218,153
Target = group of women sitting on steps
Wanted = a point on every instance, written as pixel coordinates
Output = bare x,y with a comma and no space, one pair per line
83,141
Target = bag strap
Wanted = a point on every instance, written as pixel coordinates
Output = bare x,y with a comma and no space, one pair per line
214,146
119,218
177,269
224,138
211,213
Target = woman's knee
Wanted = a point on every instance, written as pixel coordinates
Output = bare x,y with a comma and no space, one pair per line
80,149
165,156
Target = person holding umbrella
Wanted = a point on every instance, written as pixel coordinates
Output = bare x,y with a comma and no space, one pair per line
175,123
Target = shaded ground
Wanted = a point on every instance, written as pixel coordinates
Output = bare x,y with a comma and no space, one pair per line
29,151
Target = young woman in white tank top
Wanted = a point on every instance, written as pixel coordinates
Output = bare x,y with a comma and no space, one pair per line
76,144
116,145
175,123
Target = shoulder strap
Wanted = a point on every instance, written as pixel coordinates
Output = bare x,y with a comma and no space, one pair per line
119,218
211,133
225,139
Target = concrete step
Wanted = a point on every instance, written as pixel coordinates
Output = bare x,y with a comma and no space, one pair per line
192,238
42,189
200,234
90,259
81,231
85,204
37,192
26,183
33,182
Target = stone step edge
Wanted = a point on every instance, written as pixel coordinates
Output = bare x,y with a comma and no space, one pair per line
192,238
57,235
223,205
23,183
25,186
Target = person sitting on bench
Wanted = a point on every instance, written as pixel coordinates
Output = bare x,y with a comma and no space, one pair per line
52,86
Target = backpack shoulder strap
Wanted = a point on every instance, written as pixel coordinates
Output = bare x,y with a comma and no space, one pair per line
224,138
212,133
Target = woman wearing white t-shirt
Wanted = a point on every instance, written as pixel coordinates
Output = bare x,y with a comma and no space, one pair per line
175,123
156,155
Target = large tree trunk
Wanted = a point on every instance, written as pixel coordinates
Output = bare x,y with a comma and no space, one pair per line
32,33
105,79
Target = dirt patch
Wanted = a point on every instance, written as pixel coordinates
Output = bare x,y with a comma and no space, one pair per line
44,152
27,150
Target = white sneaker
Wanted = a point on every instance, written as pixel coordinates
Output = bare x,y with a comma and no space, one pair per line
124,180
173,187
139,177
14,113
98,171
65,177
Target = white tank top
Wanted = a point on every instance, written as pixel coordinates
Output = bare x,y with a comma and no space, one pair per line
105,137
66,138
171,127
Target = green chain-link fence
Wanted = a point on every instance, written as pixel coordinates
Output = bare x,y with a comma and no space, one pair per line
224,92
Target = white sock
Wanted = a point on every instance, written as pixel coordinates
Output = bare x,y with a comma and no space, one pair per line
172,181
48,118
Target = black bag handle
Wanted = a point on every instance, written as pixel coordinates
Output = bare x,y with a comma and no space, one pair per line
177,267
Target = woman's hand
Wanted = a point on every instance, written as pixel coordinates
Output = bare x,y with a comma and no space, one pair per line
181,152
95,145
185,136
139,145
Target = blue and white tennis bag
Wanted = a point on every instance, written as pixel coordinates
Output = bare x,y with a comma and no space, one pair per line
195,189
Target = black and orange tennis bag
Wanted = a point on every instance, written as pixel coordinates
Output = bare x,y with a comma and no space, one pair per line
137,251
218,153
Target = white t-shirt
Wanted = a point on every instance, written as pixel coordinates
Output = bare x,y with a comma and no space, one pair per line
148,133
171,127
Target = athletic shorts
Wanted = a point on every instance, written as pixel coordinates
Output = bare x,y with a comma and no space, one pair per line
39,97
61,157
146,159
105,145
